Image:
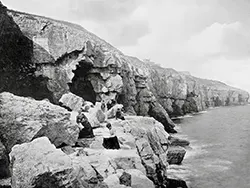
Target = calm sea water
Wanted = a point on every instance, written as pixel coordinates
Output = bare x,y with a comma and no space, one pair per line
220,154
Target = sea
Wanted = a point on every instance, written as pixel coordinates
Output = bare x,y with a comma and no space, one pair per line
219,152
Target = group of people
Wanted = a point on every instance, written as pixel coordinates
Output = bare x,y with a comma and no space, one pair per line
109,142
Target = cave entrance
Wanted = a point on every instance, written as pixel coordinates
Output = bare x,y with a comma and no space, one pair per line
80,85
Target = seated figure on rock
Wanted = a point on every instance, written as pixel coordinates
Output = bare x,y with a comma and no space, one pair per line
86,131
111,142
119,114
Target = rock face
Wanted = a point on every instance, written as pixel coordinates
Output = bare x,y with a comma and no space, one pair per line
46,58
40,164
71,102
181,93
23,119
149,139
144,144
62,62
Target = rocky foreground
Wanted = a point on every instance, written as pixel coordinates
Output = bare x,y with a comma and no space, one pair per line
49,69
44,148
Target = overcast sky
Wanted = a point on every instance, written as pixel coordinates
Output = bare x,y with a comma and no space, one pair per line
208,38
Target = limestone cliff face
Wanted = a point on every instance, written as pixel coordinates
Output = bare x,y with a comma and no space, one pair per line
46,58
180,93
64,57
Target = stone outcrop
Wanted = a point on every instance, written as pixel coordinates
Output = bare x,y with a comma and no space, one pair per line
60,62
175,155
143,154
146,136
62,57
46,58
144,144
40,164
71,102
23,119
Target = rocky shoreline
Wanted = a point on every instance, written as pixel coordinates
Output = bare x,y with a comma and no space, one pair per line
54,153
50,69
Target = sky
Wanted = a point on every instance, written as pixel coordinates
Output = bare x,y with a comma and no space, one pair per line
208,38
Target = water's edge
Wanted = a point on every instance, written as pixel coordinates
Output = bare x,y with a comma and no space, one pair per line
213,155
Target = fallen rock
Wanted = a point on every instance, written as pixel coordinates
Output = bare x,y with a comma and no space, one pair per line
23,119
40,164
174,141
175,155
71,101
4,162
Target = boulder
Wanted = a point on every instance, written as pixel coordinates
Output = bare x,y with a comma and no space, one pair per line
71,101
175,155
23,119
40,164
4,162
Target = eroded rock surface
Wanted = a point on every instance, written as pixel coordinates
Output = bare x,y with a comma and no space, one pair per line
40,164
23,119
45,58
180,93
71,102
53,58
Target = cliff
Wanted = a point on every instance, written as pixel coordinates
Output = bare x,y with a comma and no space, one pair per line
58,62
180,93
46,58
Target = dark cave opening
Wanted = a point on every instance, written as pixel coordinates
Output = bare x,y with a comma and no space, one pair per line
80,85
